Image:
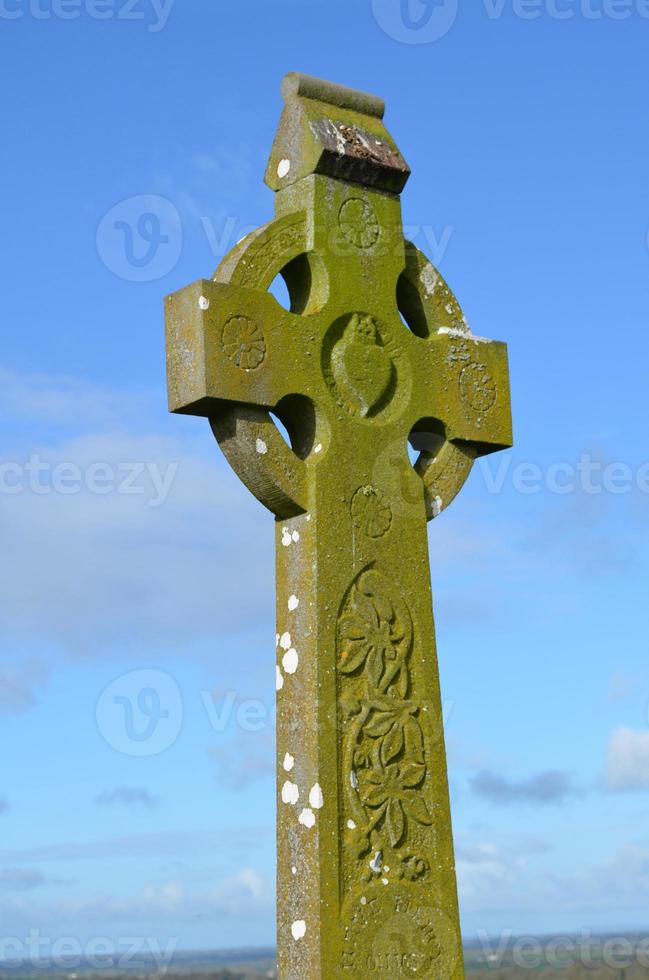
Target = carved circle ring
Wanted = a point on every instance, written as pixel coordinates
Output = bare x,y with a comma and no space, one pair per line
243,342
358,223
477,387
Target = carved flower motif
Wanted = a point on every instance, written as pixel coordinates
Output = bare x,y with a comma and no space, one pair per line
413,867
359,223
243,342
372,632
371,512
393,790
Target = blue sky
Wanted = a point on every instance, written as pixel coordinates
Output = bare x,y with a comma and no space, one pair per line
134,563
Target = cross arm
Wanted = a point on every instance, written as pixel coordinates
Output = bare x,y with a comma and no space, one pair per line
228,343
464,381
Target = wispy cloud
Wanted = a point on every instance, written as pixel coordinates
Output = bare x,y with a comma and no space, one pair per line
20,879
128,796
161,844
545,788
18,687
628,760
245,759
245,893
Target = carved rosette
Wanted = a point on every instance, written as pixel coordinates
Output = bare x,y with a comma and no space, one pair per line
385,768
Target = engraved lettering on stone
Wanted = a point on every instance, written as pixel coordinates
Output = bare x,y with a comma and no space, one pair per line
392,934
243,342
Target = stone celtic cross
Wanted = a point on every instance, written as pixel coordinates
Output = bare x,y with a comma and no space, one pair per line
374,352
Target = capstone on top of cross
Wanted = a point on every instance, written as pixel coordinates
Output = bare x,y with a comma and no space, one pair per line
337,132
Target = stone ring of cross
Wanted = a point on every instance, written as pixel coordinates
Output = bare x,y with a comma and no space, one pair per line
374,352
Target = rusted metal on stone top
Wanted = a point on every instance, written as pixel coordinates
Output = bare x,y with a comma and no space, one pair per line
335,131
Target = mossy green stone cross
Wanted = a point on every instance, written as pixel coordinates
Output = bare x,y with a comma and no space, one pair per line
373,352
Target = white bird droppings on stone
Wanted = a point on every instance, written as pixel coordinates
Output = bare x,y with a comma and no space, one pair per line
363,900
296,536
298,929
351,824
307,818
385,881
463,334
375,863
438,505
293,603
279,680
316,799
429,278
261,447
285,641
293,870
283,168
289,762
290,661
286,537
353,779
204,303
318,448
290,793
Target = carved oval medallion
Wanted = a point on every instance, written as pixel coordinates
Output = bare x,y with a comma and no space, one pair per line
477,387
243,342
391,932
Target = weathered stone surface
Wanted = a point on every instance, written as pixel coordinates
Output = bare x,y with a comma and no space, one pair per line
366,870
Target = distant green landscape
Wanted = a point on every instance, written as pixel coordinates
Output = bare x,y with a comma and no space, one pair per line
599,958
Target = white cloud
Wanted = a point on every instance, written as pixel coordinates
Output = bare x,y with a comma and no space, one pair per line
61,400
242,895
628,760
87,569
